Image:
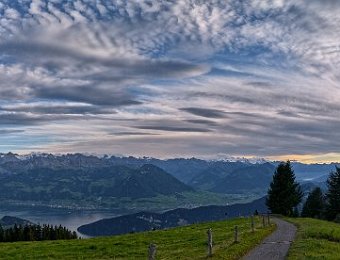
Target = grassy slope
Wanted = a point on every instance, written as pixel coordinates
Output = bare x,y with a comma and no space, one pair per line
178,243
316,239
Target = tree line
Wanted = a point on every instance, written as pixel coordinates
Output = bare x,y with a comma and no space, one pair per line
35,233
285,194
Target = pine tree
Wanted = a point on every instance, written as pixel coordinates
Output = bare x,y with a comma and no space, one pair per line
284,193
2,234
35,233
296,212
314,205
333,195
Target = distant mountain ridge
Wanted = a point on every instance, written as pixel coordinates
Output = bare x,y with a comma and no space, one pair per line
250,178
113,182
184,169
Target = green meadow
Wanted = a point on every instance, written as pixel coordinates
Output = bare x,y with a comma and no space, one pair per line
188,242
316,239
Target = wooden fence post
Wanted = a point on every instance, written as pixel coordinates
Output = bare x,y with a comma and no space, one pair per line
152,251
252,224
210,242
268,216
236,235
263,221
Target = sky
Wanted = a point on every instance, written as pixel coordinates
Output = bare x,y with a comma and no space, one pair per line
166,78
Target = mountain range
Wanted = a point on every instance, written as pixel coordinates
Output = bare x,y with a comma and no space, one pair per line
78,180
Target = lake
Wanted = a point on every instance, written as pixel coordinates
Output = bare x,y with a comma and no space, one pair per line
70,219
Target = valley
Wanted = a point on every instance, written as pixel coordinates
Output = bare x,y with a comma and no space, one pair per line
76,189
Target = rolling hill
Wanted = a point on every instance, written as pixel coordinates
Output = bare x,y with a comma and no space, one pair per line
9,221
144,221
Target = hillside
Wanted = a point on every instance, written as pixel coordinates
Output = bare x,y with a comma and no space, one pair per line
178,243
316,239
91,185
207,178
241,179
144,221
9,221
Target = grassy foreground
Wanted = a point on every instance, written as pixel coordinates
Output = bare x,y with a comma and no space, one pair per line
189,242
316,239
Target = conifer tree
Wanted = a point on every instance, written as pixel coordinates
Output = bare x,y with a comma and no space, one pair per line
333,195
1,234
296,212
284,193
314,205
35,233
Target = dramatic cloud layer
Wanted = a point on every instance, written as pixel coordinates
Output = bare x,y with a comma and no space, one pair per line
171,78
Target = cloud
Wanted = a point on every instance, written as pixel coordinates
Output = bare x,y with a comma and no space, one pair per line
54,57
202,121
205,112
202,77
174,129
27,119
132,134
58,108
103,96
10,131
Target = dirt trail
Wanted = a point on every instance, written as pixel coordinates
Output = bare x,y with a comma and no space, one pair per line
276,245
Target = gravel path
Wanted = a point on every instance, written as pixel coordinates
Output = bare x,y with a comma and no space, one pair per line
276,245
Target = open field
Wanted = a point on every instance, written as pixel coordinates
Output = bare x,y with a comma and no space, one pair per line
316,239
189,242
